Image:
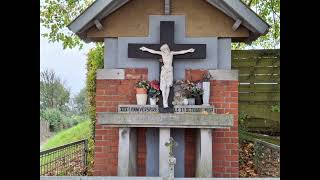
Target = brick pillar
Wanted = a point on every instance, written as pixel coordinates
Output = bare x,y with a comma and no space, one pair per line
109,94
225,141
225,152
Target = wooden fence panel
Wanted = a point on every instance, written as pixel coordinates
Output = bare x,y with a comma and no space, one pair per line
255,100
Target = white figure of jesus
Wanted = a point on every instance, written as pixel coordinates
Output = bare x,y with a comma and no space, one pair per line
166,75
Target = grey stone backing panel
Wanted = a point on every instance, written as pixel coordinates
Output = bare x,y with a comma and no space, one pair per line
120,47
111,53
224,53
152,161
178,135
166,120
140,178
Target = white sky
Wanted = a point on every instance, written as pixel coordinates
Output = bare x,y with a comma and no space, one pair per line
69,65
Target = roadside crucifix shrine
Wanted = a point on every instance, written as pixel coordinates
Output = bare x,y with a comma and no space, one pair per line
192,39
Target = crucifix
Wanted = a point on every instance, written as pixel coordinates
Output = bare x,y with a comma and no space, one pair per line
172,159
168,48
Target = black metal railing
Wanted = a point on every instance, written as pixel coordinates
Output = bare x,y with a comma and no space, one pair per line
66,160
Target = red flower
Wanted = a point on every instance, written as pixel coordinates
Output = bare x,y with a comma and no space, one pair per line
155,85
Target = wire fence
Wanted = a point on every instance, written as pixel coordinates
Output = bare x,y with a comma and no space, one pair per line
66,160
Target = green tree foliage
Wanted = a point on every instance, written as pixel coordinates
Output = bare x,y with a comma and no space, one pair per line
53,93
269,11
54,117
81,102
94,62
55,15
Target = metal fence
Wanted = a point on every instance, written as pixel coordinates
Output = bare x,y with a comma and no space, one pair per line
66,160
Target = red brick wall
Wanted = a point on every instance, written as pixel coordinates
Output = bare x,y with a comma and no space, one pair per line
109,94
142,151
225,152
189,153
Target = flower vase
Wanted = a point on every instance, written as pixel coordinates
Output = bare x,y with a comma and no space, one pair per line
206,93
198,100
185,102
153,101
141,96
191,101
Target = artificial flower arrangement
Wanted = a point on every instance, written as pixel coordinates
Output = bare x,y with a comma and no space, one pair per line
154,92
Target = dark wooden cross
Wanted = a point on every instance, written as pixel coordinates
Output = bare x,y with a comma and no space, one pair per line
167,37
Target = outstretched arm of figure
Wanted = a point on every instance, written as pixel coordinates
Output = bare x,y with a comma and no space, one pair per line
182,51
150,50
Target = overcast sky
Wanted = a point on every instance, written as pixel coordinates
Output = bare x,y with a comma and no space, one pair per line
69,65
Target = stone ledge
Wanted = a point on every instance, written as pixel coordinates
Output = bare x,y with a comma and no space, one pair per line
223,74
110,74
168,120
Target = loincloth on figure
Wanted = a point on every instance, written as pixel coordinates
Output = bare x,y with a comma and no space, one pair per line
166,76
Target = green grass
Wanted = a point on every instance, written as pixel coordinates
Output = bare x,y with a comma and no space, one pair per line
252,136
76,133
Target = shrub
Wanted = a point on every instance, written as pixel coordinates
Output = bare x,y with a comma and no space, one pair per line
54,117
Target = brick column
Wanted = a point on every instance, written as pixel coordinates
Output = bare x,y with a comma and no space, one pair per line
225,148
226,141
111,91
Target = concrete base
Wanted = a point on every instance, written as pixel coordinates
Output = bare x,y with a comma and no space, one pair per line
164,135
127,157
204,153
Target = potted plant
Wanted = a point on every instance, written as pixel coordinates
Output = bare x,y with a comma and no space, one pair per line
142,89
154,92
197,92
206,88
187,87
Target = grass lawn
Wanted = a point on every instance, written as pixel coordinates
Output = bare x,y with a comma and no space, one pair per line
75,133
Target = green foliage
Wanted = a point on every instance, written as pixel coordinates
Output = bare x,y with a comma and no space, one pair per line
269,11
54,117
58,120
53,93
94,62
76,133
55,15
275,108
143,84
242,120
81,102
